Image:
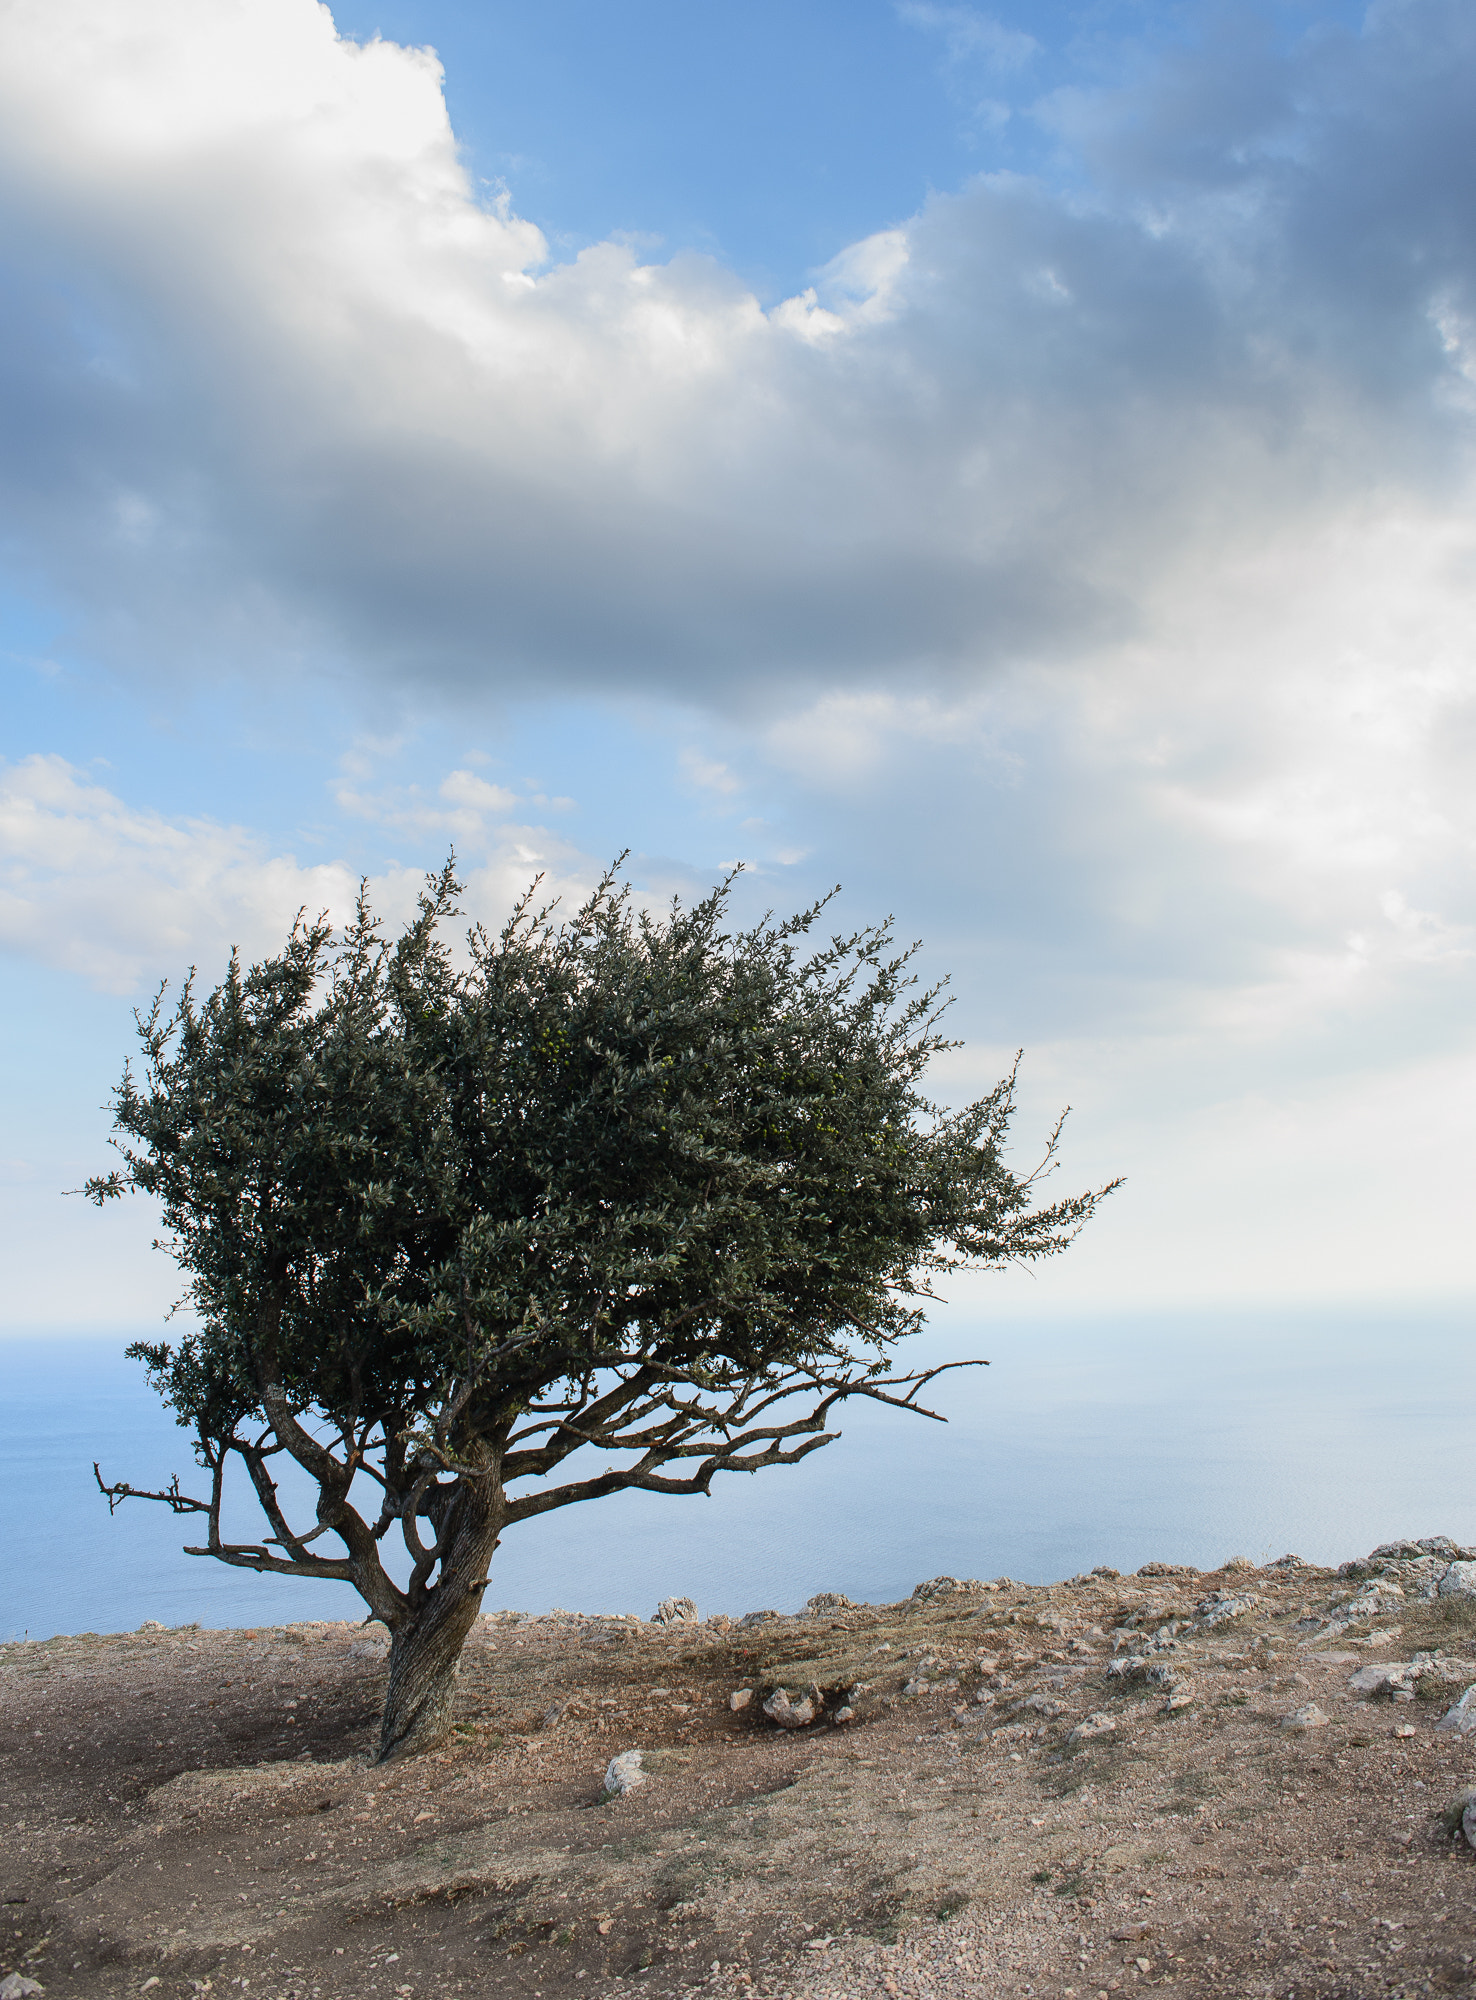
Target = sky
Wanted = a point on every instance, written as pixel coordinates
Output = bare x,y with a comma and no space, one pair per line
1015,464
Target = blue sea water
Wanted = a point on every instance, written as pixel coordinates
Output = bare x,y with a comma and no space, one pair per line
1088,1440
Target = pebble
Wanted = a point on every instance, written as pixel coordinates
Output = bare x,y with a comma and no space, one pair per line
1308,1717
740,1698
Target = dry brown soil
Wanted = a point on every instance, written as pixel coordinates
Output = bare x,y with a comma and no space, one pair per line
190,1812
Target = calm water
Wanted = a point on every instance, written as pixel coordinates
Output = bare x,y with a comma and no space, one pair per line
1179,1438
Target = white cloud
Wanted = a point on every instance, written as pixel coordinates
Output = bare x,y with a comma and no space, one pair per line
123,897
706,774
462,808
304,396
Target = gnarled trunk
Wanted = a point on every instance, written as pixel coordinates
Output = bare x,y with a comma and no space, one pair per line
426,1644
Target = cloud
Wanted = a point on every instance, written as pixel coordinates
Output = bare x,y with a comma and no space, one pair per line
282,388
123,897
706,775
969,35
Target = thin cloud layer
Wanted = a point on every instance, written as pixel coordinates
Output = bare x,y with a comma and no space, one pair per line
281,386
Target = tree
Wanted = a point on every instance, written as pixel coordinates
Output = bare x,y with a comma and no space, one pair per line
622,1202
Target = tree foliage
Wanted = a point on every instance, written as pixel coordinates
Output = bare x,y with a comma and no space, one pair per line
619,1202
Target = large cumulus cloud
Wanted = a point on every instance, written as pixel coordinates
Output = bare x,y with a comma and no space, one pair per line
280,384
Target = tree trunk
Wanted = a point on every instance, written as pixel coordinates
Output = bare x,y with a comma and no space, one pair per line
426,1644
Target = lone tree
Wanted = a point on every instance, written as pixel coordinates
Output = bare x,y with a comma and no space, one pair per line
620,1202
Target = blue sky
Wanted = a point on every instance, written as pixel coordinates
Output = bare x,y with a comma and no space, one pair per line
1016,463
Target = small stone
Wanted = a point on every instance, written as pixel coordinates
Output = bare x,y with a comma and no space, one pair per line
846,1714
1403,1839
1143,1964
675,1611
1180,1699
791,1711
1131,1667
1392,1677
1308,1717
1461,1716
15,1986
624,1773
740,1698
1404,1729
1223,1605
1098,1724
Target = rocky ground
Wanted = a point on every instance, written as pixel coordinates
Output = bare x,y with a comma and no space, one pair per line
1224,1783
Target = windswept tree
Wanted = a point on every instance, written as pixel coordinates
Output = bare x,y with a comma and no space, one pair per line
619,1202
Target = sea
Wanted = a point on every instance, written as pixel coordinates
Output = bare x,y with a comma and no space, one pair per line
1170,1436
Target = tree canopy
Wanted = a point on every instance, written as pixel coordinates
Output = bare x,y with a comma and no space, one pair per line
622,1201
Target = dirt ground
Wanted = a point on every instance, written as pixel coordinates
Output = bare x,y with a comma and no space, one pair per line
191,1812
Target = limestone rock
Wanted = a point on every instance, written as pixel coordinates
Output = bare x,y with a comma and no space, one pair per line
1308,1717
791,1710
947,1586
1458,1581
624,1773
15,1986
1390,1677
760,1617
1461,1716
1223,1605
1131,1667
1098,1724
1429,1545
740,1698
824,1602
675,1611
1166,1569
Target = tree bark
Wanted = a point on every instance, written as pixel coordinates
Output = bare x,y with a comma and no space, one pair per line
426,1642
